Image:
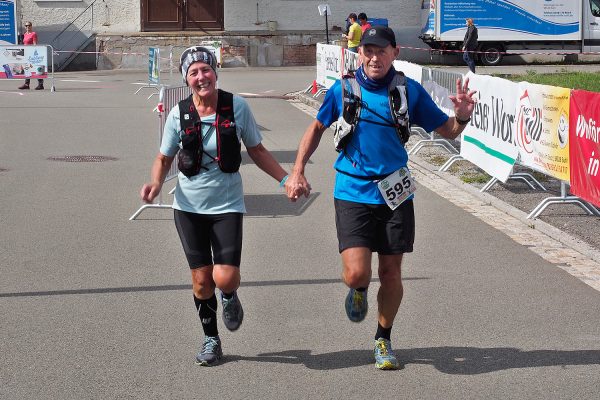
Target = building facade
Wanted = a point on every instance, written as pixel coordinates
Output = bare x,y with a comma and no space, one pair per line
252,32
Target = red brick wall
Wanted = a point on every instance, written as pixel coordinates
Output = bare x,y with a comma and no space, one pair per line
299,55
234,51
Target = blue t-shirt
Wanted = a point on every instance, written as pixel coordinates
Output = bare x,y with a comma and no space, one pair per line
375,149
212,191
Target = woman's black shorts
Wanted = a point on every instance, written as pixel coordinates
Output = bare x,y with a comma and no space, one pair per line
375,226
210,239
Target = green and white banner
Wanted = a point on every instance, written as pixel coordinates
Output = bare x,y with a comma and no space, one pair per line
488,140
329,64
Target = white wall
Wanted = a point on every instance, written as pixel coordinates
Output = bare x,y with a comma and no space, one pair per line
109,15
122,16
300,15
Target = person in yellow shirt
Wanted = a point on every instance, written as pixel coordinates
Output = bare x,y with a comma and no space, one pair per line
354,33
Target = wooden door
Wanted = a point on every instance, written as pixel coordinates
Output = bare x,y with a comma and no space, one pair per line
182,15
204,15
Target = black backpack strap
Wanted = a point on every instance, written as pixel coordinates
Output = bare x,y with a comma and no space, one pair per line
225,106
189,157
229,148
188,116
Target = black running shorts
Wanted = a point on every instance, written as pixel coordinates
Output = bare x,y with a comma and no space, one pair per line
375,226
210,239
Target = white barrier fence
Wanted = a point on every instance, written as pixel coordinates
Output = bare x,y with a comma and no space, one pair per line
168,98
27,62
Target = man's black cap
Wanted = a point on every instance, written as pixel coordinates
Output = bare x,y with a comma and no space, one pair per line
378,35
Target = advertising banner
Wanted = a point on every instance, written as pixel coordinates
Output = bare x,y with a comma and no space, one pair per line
487,141
8,22
428,17
584,146
329,64
23,62
542,129
154,65
413,71
351,62
514,19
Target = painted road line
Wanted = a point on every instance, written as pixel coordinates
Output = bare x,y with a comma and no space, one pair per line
78,80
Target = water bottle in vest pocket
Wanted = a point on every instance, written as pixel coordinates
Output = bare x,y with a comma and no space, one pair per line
190,153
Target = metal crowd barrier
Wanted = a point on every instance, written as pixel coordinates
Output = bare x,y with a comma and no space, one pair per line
447,80
168,98
7,49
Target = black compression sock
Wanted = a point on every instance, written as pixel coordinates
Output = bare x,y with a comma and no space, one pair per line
228,295
383,332
207,311
361,289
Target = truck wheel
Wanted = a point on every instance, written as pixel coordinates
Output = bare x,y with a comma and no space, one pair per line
492,54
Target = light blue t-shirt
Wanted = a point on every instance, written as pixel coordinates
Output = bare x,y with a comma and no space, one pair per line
212,191
375,149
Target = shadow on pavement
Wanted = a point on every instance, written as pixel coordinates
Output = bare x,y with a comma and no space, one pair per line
448,360
276,205
476,360
258,206
132,289
326,361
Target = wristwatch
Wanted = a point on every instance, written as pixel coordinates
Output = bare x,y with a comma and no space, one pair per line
461,121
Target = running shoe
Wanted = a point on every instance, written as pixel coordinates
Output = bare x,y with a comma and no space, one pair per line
233,313
384,355
356,305
211,351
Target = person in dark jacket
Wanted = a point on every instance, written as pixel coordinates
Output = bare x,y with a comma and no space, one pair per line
470,44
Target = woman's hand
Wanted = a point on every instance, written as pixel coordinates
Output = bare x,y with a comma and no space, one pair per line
149,192
296,186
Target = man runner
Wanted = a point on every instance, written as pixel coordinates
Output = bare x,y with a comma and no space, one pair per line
375,156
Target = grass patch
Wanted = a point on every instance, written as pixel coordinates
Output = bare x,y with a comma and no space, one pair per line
572,80
437,159
475,177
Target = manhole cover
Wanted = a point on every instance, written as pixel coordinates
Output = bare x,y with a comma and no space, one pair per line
82,158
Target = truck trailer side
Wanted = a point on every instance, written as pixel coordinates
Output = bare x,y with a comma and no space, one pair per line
513,26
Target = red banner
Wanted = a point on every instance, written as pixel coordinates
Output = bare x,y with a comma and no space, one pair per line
584,146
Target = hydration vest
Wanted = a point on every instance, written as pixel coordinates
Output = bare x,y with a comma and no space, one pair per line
352,105
229,156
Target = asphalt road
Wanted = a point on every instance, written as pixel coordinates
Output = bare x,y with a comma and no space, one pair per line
96,306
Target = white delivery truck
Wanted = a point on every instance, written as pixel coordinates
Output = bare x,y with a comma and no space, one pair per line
513,26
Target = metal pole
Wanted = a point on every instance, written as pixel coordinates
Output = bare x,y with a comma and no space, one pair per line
52,88
326,28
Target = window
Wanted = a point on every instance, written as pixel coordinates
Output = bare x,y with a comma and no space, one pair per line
595,7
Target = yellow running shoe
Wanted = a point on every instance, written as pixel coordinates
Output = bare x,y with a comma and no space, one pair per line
356,305
384,355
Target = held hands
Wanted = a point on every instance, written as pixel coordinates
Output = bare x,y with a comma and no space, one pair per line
296,186
464,103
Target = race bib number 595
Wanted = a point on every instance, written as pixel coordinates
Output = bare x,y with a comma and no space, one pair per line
397,187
